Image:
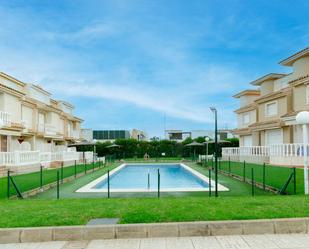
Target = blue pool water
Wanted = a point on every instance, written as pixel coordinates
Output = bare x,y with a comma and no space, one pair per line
136,177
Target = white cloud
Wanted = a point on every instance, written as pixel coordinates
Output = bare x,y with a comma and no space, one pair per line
86,33
174,83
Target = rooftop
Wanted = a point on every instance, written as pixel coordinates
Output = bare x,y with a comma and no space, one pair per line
290,60
247,92
270,76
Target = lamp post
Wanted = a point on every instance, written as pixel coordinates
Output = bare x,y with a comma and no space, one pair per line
302,118
94,148
214,110
207,140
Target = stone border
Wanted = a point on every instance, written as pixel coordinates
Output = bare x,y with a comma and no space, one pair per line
179,229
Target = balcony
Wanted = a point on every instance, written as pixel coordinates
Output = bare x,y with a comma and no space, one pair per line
5,118
49,130
74,134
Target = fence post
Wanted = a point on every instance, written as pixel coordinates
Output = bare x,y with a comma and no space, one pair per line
99,162
264,168
148,181
209,183
9,184
244,173
294,180
158,183
85,166
58,184
62,172
75,172
108,186
252,181
93,165
229,166
41,176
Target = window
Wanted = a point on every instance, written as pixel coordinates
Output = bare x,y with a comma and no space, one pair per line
246,118
271,109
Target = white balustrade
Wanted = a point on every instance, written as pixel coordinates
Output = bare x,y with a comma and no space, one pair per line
50,129
20,158
280,154
45,157
75,134
5,118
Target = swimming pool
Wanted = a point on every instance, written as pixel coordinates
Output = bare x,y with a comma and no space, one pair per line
144,178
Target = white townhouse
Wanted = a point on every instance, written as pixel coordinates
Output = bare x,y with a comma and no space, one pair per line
267,127
34,128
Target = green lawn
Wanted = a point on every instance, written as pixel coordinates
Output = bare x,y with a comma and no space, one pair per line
30,181
274,176
78,209
21,213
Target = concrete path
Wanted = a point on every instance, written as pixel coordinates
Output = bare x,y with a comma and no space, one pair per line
286,241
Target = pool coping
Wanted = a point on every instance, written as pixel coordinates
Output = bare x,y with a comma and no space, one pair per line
89,187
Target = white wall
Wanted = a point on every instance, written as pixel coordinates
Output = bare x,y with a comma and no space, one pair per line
12,105
27,117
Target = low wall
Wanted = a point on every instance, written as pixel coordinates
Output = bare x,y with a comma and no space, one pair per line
286,161
182,229
254,159
249,159
234,158
24,168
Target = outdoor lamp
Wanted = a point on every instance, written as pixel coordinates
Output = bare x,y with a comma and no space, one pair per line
214,110
302,118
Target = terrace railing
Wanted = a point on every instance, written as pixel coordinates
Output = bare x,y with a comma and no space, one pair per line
20,158
281,154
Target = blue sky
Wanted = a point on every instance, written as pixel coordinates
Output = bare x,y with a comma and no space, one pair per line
127,64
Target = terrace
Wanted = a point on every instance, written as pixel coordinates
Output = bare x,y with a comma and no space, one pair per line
278,154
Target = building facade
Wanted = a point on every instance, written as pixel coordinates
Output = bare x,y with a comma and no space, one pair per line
139,135
110,135
179,135
266,117
32,121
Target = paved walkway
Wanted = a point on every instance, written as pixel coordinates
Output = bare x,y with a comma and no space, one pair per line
287,241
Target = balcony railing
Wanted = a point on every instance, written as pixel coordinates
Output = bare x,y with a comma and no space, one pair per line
20,158
50,129
74,134
47,129
285,150
281,154
5,118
